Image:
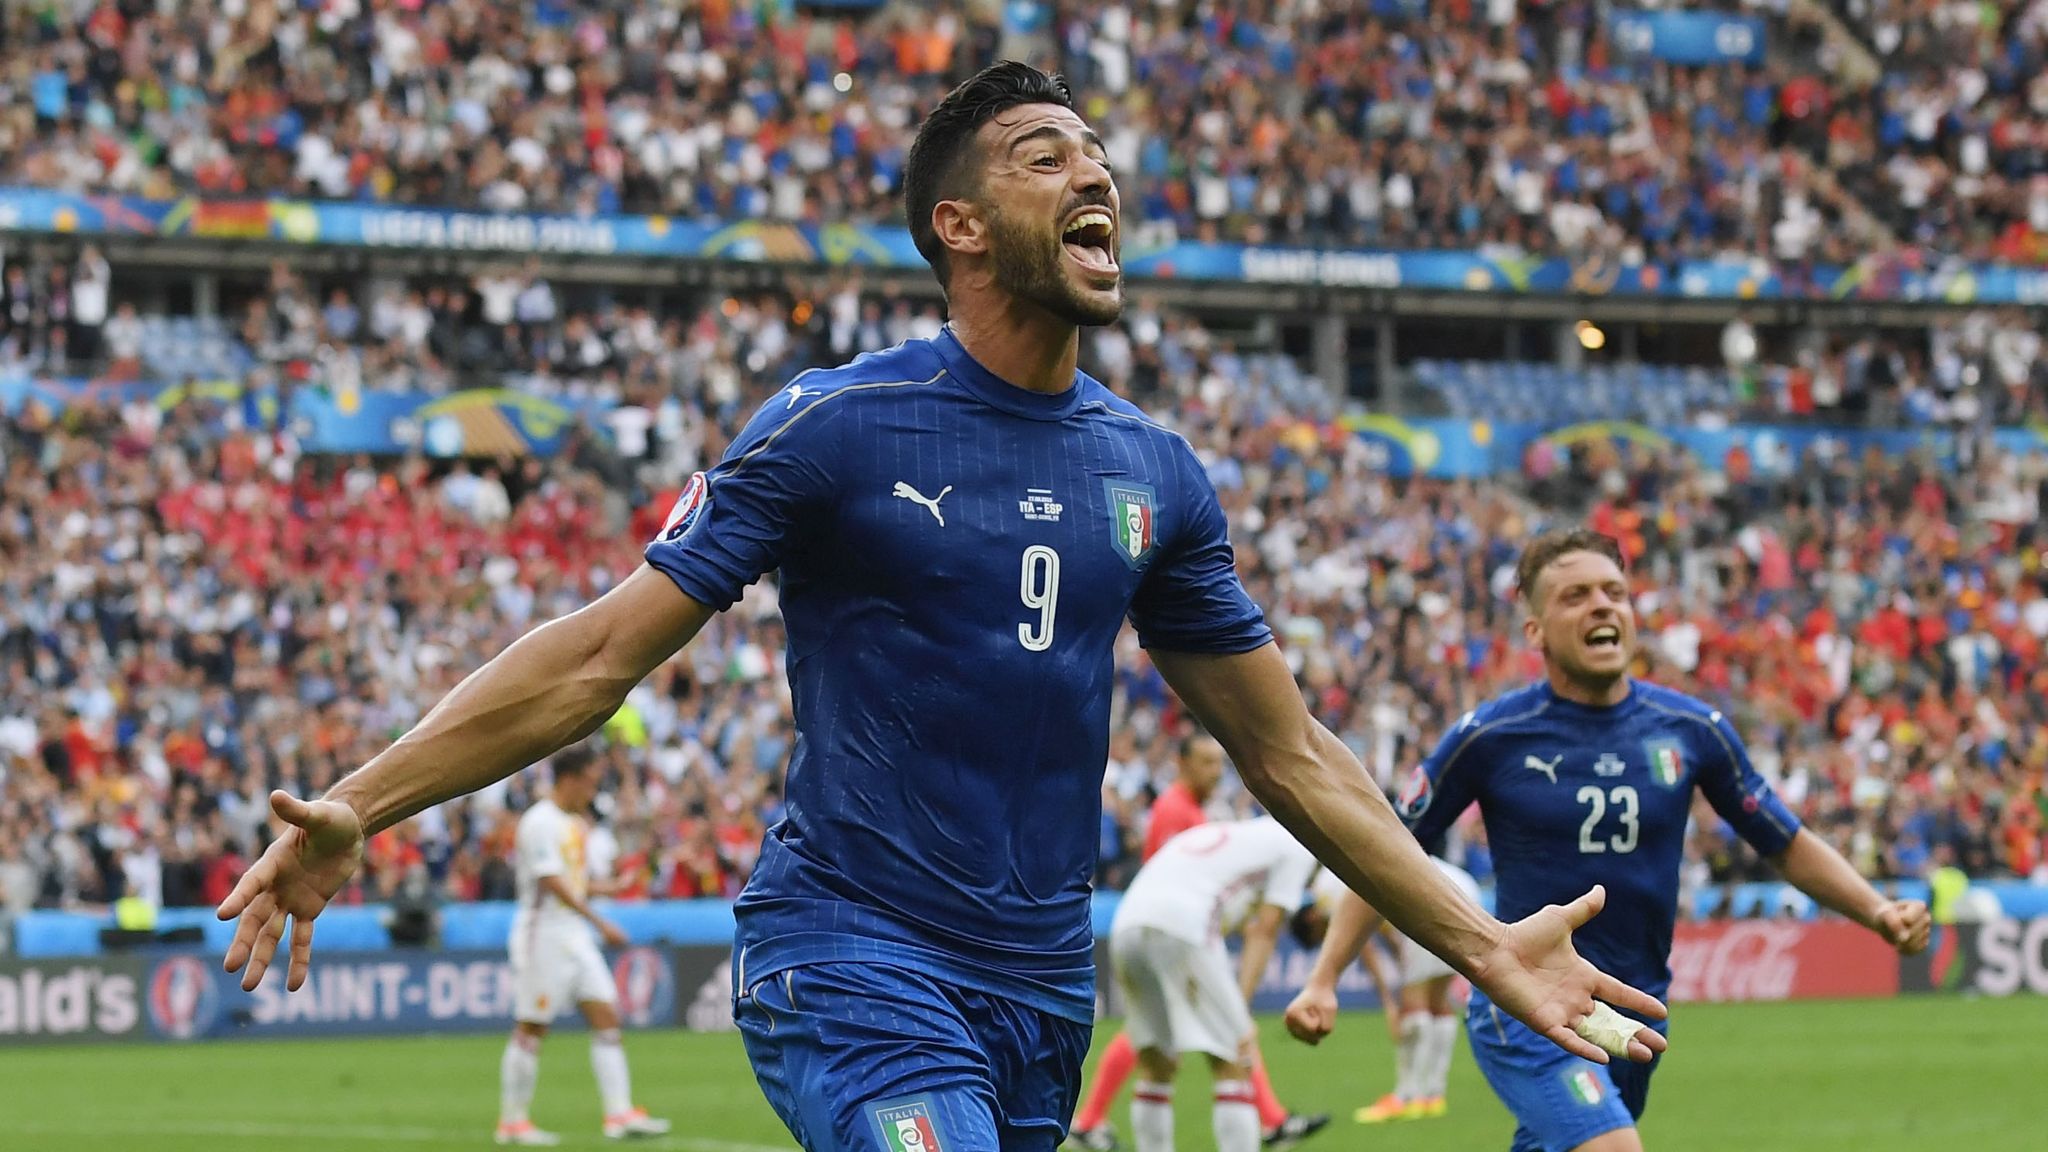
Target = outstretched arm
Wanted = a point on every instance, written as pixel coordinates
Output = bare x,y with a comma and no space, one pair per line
556,685
551,688
1312,784
1811,865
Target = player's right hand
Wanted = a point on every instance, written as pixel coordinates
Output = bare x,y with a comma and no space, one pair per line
614,936
1313,1014
1535,975
297,875
1905,925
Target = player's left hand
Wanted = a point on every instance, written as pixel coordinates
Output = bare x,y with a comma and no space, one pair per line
1905,925
1535,975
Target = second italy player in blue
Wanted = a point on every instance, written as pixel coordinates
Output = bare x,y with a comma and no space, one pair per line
961,526
1588,778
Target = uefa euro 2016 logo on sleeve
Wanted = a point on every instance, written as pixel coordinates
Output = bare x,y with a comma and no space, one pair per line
646,987
908,1126
183,1001
683,515
1415,795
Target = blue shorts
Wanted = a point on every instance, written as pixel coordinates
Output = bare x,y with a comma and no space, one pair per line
1559,1100
861,1057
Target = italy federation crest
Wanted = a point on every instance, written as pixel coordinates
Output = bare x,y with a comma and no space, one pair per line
909,1126
1667,765
1133,519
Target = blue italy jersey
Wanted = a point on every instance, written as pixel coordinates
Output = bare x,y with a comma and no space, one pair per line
957,556
1574,796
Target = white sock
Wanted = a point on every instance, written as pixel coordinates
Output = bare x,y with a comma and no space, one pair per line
517,1073
608,1061
1408,1056
1443,1041
1237,1117
1152,1117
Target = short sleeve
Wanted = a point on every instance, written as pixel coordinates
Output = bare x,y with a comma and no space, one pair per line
540,849
740,521
1742,797
1191,600
1288,881
1445,784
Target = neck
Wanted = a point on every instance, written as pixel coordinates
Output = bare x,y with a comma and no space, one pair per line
1591,693
1020,342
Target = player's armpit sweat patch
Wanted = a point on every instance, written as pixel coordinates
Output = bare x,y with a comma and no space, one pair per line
908,1126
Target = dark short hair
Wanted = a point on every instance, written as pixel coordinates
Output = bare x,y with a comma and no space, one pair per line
1552,546
937,167
574,760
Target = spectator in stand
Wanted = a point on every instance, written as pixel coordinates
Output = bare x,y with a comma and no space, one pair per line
1494,126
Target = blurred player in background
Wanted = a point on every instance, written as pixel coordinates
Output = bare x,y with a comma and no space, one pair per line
1180,807
1422,1013
1588,778
556,961
962,526
1243,877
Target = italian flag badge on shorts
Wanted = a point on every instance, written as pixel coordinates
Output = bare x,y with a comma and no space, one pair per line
908,1126
1585,1087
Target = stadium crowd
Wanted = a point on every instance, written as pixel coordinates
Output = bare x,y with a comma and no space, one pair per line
509,324
1513,127
192,612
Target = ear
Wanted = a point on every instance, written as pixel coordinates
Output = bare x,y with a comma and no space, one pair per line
960,227
1532,631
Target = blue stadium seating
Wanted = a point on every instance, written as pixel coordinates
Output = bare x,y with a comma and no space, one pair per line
1522,391
193,348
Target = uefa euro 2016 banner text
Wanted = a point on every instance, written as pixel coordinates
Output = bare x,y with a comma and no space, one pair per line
1905,275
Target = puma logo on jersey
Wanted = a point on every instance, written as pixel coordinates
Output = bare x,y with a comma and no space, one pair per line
1547,767
906,492
796,392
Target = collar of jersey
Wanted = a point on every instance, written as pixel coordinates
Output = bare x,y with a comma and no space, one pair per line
1628,703
1000,393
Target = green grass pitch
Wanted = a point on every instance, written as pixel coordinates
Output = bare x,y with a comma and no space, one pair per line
1871,1076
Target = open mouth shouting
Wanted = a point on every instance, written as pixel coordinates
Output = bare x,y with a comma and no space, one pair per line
1090,240
1604,638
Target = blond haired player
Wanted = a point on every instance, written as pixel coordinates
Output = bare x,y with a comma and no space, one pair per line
556,961
1422,1014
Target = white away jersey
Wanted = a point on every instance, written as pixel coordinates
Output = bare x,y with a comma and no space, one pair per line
550,843
1205,882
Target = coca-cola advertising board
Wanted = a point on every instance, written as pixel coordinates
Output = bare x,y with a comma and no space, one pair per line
1721,960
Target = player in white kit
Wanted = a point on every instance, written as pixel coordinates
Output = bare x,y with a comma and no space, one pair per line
1166,944
1423,1018
556,961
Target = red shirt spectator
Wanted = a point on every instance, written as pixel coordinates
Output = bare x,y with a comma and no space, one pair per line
1173,813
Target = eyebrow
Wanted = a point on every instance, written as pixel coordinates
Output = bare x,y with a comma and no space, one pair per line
1053,132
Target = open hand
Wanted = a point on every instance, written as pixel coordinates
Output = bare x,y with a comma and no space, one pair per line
1536,976
296,876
